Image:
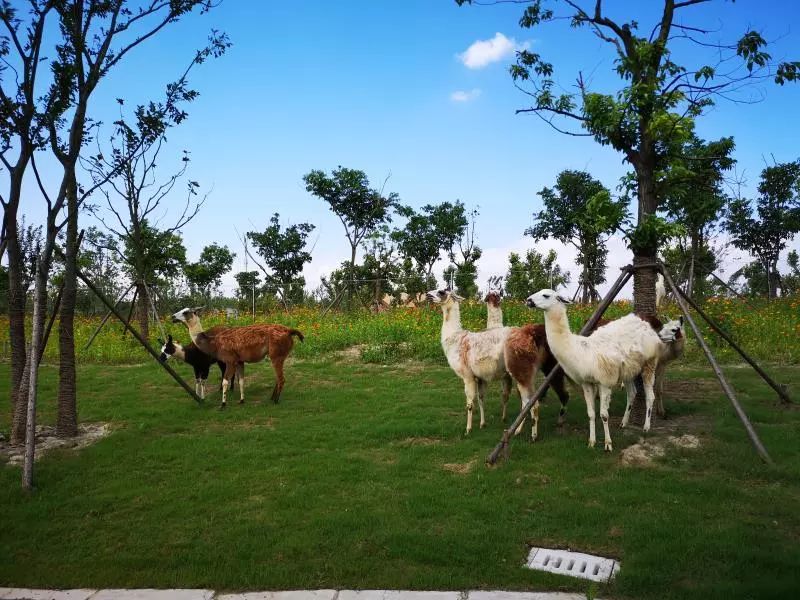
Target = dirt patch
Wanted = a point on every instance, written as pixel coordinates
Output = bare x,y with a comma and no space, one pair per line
419,441
46,440
460,468
646,451
351,354
689,390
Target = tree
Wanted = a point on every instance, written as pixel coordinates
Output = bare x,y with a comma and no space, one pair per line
791,280
205,275
127,175
95,36
428,233
380,263
778,220
360,208
652,112
284,254
21,129
569,218
693,197
464,270
248,282
536,272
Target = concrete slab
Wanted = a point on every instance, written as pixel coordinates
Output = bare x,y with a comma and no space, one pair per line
286,595
396,595
154,595
29,594
483,595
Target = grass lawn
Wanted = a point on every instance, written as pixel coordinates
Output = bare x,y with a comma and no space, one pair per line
361,478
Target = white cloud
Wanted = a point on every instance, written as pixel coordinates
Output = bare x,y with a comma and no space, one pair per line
486,52
464,96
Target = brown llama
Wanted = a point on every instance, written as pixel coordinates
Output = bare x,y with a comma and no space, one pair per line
238,345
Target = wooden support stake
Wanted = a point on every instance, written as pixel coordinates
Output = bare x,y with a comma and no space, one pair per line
502,446
139,337
780,389
108,314
748,426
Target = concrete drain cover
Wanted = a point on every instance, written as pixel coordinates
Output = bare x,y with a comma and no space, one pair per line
574,564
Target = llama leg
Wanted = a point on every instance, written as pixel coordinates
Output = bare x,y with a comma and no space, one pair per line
481,396
470,390
605,401
524,392
201,384
506,393
659,389
630,388
277,364
240,377
563,397
197,387
588,396
648,377
230,369
535,426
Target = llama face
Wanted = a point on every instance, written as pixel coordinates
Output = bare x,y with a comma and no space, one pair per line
187,315
546,299
495,293
672,331
443,296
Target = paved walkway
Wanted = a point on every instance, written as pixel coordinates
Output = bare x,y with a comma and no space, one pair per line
26,594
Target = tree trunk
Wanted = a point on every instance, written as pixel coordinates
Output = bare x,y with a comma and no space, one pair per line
19,424
586,295
16,291
350,283
773,279
37,330
67,420
692,259
143,308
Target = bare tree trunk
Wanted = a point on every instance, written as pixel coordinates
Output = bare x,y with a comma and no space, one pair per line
33,361
67,421
692,258
19,424
143,309
16,291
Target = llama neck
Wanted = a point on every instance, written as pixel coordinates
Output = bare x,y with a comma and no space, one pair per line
195,327
494,316
452,320
559,335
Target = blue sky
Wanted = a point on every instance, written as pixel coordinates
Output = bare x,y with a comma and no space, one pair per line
383,86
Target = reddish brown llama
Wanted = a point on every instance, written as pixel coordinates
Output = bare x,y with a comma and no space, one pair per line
238,345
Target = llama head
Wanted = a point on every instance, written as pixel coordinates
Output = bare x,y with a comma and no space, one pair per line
672,331
169,349
546,299
495,293
444,296
188,316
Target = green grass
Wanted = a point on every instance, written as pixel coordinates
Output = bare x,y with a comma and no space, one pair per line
344,485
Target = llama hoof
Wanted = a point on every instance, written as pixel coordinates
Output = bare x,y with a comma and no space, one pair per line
482,425
241,401
591,443
222,406
607,447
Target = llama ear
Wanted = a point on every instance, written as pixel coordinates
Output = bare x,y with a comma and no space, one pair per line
680,320
564,300
160,341
457,298
169,338
198,309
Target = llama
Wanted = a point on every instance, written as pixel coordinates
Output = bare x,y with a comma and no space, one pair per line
661,290
669,352
494,319
614,354
192,355
476,357
238,345
494,314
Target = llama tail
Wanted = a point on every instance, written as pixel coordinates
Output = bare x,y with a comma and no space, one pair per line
298,334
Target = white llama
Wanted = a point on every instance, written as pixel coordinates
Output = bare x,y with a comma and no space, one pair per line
476,357
614,354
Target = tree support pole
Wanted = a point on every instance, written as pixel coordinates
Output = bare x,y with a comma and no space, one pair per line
130,312
138,336
780,389
108,314
502,446
748,426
